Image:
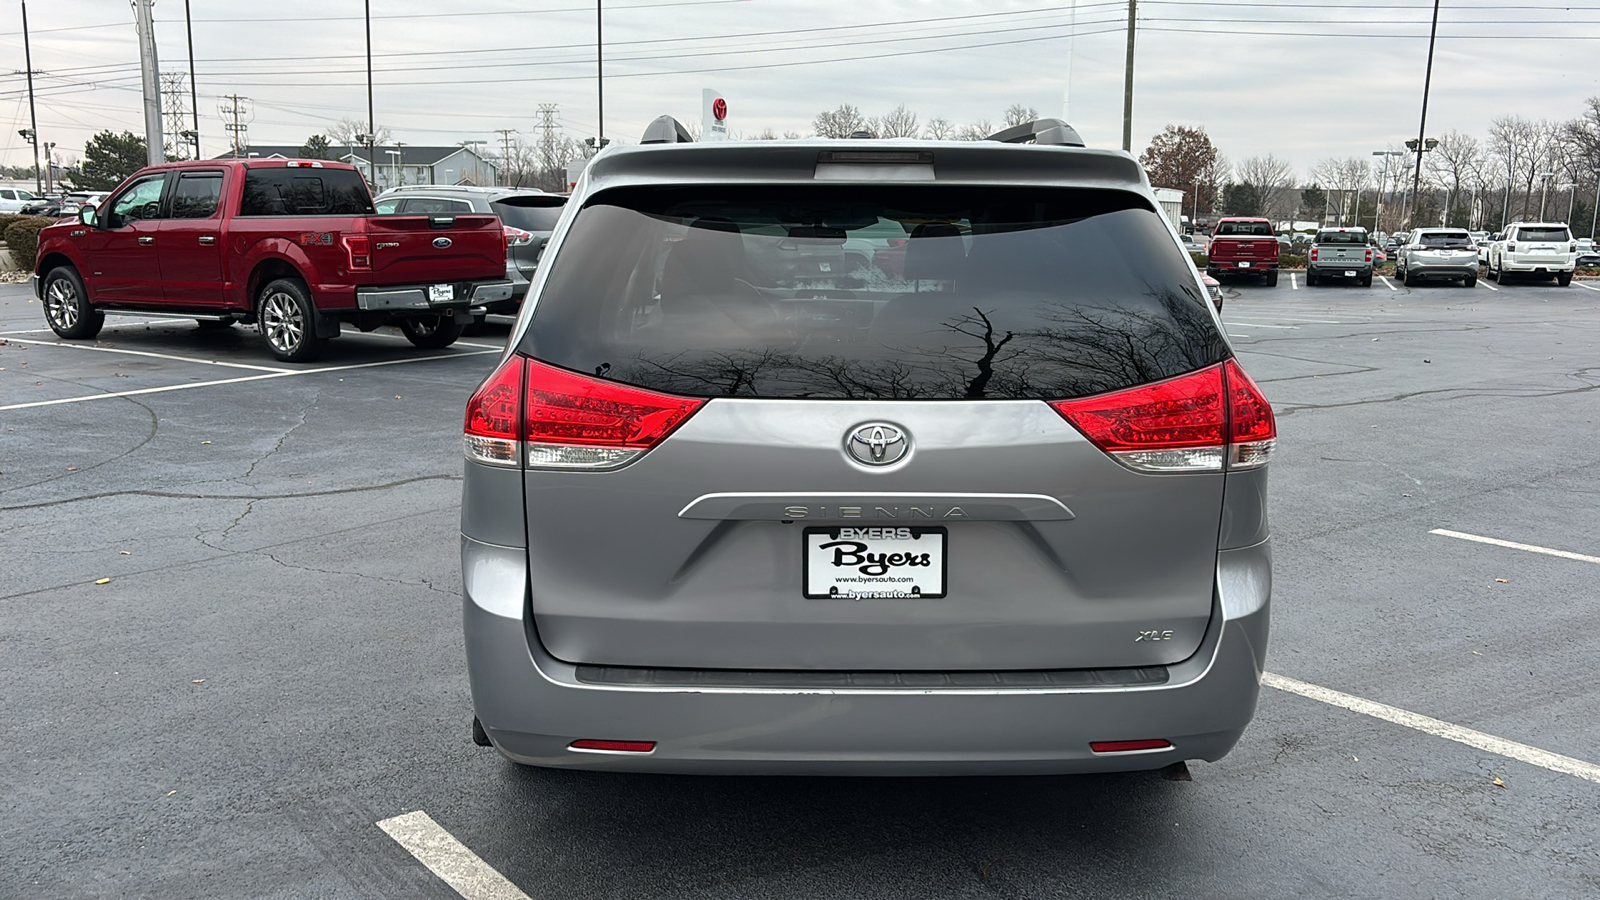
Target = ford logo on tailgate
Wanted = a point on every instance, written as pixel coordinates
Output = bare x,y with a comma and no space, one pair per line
442,242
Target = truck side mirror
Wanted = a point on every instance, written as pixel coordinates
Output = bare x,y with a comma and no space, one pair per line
86,215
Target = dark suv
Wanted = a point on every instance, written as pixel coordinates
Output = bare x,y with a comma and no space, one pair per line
529,216
740,498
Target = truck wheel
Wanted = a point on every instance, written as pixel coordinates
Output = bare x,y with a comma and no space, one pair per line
1563,278
431,332
1311,278
66,305
288,321
1272,278
1366,280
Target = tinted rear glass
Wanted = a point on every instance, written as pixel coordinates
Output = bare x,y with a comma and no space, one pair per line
1444,240
304,192
1342,237
1260,229
1543,234
530,213
917,293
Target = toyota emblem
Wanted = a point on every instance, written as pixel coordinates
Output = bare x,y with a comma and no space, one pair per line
877,444
442,242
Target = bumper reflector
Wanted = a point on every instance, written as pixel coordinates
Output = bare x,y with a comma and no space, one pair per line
613,746
1129,746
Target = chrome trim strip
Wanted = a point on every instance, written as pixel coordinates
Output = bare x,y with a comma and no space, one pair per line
776,506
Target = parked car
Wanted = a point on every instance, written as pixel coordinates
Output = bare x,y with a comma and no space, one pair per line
1213,290
1484,245
1340,253
12,200
955,528
1193,244
1537,249
1243,245
291,245
41,205
529,217
73,201
1588,253
1438,253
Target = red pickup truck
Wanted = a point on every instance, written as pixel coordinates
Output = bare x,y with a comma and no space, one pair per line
1243,246
293,246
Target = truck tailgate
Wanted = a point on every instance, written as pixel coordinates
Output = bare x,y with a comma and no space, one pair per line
428,249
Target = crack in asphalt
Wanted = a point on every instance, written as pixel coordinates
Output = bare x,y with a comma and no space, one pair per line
305,412
172,495
1290,409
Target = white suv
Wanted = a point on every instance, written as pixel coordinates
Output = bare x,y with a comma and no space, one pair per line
1540,249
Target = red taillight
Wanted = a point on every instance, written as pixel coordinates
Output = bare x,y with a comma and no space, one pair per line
516,237
566,420
1369,254
359,247
1129,746
494,416
1313,254
1191,423
613,746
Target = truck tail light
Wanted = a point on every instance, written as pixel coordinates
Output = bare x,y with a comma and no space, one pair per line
1205,421
1369,254
359,248
1313,254
554,419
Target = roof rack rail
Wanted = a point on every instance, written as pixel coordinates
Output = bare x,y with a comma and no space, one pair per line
666,130
1049,132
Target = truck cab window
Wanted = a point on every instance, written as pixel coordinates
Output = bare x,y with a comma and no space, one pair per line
197,195
139,202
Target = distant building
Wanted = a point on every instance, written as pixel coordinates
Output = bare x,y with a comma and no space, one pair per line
404,164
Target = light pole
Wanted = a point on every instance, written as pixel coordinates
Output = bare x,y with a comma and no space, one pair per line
394,164
599,71
31,133
1572,198
1544,191
1127,82
1594,216
1422,124
49,165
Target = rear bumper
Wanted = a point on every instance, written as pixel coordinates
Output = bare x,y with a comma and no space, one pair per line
533,706
1441,270
1236,267
1543,266
415,298
1337,270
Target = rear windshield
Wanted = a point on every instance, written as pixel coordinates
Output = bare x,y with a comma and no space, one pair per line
304,192
1262,229
533,213
1543,234
914,293
1342,237
1440,240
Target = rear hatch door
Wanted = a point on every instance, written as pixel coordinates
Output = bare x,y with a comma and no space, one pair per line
701,553
435,248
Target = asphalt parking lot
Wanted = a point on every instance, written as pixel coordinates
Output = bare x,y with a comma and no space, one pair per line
230,644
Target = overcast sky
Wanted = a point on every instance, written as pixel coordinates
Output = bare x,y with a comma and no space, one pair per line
1302,81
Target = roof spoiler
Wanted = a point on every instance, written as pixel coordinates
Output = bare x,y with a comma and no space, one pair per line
1049,132
666,130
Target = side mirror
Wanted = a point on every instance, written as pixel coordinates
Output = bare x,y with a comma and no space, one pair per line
86,215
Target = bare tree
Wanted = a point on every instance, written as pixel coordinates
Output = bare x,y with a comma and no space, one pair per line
349,132
1272,179
897,122
975,131
939,129
1451,165
1016,114
839,123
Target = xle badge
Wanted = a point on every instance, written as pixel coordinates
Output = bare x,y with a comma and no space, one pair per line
1153,636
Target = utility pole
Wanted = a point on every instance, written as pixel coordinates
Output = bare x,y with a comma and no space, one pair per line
505,145
33,121
149,76
599,70
232,108
1422,126
372,123
1127,83
194,96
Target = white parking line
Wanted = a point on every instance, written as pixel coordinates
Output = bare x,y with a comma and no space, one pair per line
1587,287
1293,283
449,859
1555,762
187,359
200,384
1388,283
1531,548
1483,282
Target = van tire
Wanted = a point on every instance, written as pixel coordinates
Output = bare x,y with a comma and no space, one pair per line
288,321
66,305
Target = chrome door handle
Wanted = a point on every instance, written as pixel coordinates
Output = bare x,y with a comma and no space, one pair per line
147,240
207,239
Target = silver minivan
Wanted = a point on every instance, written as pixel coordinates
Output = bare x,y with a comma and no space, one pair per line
992,503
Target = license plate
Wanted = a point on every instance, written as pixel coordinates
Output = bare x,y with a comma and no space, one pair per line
1244,265
441,293
1349,273
875,562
